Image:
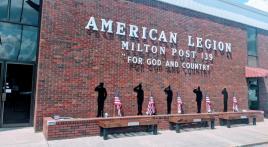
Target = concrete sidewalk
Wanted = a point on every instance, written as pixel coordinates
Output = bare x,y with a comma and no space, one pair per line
204,137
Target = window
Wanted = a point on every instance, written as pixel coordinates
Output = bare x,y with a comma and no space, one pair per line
18,42
19,21
253,94
28,44
15,10
10,38
20,11
30,12
252,47
3,9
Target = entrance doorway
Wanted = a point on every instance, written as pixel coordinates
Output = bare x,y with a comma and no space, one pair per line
16,94
253,94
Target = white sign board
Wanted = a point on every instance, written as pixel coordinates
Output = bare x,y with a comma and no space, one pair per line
243,116
197,120
133,124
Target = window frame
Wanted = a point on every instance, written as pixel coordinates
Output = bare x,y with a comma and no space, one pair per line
249,29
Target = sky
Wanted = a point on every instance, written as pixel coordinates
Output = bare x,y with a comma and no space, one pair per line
258,4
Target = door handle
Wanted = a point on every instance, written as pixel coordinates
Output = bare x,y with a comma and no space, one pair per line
4,97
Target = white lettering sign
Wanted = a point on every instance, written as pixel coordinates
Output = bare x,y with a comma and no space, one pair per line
160,43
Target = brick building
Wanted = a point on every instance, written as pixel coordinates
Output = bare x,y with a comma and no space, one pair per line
124,43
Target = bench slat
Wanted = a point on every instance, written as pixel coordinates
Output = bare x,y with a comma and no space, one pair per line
117,124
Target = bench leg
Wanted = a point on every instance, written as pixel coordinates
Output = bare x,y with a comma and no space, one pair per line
228,124
221,122
101,131
171,126
212,124
105,133
151,128
254,121
206,124
155,129
178,128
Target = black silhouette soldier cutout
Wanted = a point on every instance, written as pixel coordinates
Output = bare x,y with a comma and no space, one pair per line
225,99
102,94
169,94
199,97
140,97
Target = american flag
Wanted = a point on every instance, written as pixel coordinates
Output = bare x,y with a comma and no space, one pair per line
179,101
118,104
151,106
235,104
208,104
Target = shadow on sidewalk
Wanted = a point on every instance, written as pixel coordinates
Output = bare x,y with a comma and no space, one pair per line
130,134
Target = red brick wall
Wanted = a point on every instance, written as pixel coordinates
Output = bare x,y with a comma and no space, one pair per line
263,63
71,62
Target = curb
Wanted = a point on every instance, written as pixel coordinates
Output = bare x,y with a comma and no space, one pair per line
252,144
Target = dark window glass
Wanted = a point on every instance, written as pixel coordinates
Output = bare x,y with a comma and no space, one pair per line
252,61
10,40
30,12
252,43
15,10
253,94
29,44
3,9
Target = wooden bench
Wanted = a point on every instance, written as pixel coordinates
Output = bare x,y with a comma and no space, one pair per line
192,118
106,126
230,116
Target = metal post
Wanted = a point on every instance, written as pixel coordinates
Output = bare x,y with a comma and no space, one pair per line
228,124
101,131
171,126
178,128
212,124
155,129
105,133
254,121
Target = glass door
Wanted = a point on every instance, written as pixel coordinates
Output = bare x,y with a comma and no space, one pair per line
253,94
16,94
2,96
